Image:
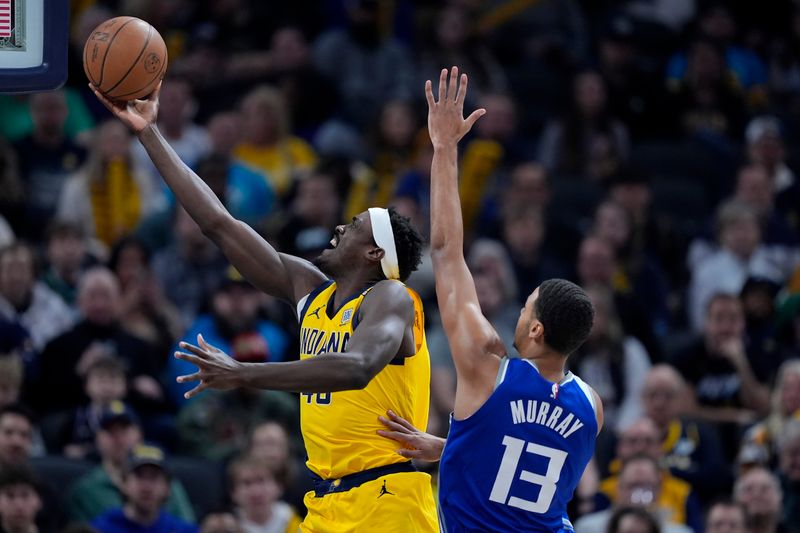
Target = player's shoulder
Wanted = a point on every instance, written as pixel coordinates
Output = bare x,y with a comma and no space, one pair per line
593,398
389,291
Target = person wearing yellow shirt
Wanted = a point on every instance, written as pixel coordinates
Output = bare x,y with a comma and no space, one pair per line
268,147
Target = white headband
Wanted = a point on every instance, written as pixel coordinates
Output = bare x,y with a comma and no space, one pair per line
384,237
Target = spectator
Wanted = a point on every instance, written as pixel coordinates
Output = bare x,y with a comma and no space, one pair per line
494,148
726,517
726,386
524,232
587,143
220,523
639,485
766,148
65,359
146,485
30,302
316,208
759,492
615,364
271,444
268,145
717,23
453,41
11,193
145,311
704,104
190,268
67,257
256,491
19,441
691,449
46,158
243,191
652,235
528,186
596,265
358,59
636,272
175,121
217,425
789,471
741,254
754,187
675,499
104,384
103,488
233,325
111,194
633,519
19,500
759,445
391,154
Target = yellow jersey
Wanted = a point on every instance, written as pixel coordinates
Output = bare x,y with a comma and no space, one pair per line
339,428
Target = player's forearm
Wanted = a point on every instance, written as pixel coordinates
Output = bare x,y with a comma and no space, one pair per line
192,192
323,373
447,229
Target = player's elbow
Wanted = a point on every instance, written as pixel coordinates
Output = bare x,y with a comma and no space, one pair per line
359,373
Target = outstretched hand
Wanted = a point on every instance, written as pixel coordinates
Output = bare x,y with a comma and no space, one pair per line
416,444
136,114
446,122
216,369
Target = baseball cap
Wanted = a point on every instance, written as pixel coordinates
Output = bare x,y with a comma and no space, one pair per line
147,455
117,411
233,278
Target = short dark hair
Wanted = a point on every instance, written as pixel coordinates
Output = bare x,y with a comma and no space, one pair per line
639,512
128,242
19,410
107,364
726,502
567,314
18,474
408,243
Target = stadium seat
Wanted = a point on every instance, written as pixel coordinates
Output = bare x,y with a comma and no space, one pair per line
203,481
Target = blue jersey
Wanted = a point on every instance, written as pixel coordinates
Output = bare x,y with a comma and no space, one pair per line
514,464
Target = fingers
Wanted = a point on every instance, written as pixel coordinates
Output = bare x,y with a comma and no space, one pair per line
401,421
399,437
195,350
157,91
442,85
189,377
473,118
429,94
410,454
462,90
197,390
451,90
106,102
189,358
394,426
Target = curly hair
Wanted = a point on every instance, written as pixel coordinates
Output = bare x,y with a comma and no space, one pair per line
408,242
567,314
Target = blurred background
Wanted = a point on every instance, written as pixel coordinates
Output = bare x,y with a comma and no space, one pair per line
644,149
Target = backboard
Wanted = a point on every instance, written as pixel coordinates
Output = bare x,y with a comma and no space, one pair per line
34,40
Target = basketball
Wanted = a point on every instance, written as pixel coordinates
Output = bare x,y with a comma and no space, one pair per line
125,58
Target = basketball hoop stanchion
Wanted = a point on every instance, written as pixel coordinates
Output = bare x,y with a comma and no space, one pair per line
34,44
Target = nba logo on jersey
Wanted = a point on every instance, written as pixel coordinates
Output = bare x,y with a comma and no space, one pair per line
346,316
554,391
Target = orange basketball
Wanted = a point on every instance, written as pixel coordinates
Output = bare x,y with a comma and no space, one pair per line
125,58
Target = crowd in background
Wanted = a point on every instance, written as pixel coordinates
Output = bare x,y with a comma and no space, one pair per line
644,149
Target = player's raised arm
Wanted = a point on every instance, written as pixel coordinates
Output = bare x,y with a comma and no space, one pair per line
383,329
474,343
286,277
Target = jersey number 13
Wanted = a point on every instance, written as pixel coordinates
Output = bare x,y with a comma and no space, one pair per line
508,472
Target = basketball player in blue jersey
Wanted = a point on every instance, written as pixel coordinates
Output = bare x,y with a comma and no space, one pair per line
362,347
522,430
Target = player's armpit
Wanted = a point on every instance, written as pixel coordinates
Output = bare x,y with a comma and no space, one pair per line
598,409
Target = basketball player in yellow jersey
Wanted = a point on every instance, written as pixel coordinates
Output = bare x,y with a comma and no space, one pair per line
362,347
